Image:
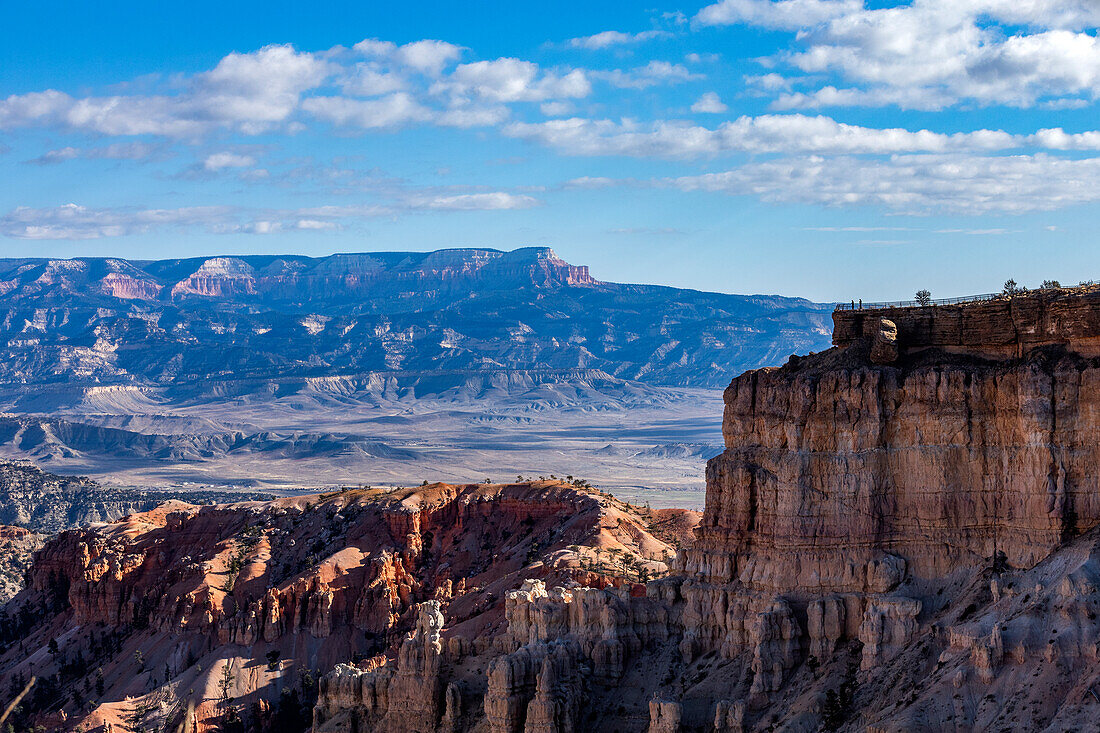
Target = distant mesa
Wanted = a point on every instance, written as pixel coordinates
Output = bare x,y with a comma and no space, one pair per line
163,323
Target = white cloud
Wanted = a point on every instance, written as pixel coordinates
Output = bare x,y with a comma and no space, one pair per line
930,54
770,81
259,87
913,184
615,38
250,92
253,92
315,225
784,14
556,109
643,77
371,80
495,201
385,112
512,80
472,115
766,134
114,151
427,57
709,103
71,221
218,161
60,155
124,151
702,58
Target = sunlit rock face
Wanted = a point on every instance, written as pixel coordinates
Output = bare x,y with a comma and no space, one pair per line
406,583
849,478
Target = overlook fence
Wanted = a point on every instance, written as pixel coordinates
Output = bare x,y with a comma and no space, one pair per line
859,305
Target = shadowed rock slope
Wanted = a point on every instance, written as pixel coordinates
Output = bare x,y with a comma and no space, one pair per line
46,502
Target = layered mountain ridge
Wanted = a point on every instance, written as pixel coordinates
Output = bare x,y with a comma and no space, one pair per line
106,320
372,368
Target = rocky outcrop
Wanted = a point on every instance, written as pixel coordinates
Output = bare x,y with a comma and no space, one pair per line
850,478
1000,327
250,601
17,547
46,502
404,697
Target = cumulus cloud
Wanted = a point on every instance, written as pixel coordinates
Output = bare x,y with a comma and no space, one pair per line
608,39
556,109
512,80
218,161
930,54
381,85
249,92
428,57
783,14
390,111
709,103
369,79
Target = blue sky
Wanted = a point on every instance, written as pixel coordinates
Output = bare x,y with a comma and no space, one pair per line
825,148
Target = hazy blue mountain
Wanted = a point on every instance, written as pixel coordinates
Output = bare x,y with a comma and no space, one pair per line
177,324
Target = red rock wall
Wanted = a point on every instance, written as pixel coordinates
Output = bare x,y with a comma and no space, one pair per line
831,478
1001,328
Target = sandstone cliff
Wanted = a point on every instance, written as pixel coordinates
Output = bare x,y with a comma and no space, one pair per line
999,327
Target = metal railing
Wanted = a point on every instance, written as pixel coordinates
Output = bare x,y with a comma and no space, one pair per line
856,305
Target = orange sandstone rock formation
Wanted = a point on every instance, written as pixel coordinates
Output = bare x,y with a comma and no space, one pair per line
224,614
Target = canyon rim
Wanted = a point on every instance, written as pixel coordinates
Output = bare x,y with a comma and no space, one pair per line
894,539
